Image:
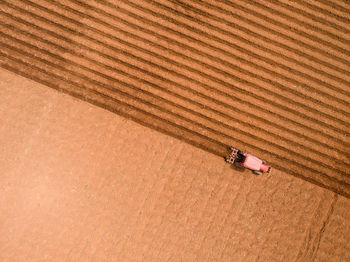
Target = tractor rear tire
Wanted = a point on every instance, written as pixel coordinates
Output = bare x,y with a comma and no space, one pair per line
238,165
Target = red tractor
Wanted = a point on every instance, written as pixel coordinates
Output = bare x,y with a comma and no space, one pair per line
244,160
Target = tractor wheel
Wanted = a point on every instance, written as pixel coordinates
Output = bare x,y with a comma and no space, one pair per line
258,173
238,165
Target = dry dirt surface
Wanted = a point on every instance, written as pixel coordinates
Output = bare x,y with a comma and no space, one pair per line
79,183
268,77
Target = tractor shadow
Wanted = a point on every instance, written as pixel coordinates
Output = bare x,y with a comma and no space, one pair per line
239,169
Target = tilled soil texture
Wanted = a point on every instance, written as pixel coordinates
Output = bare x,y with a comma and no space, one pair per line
78,186
268,77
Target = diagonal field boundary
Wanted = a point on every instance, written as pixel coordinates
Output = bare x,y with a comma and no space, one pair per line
268,77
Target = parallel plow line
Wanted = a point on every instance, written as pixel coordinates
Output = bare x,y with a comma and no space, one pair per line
182,86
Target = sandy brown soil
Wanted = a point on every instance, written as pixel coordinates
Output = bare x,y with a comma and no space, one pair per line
79,183
270,78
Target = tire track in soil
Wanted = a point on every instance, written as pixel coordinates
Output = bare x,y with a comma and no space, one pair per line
186,94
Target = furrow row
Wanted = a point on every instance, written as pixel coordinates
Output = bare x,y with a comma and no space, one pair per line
283,34
227,48
165,100
114,54
307,9
265,47
340,13
287,51
303,18
270,78
179,91
15,59
337,4
253,52
320,125
286,17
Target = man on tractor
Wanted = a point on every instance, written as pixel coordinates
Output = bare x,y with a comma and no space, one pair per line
244,160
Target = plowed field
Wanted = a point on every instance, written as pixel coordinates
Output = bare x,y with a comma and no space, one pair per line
268,77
